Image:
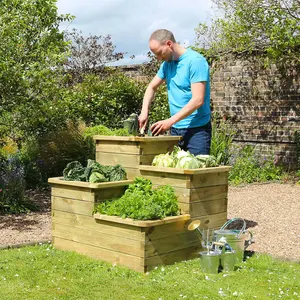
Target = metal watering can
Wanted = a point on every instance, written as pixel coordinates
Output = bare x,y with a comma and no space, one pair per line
219,255
237,239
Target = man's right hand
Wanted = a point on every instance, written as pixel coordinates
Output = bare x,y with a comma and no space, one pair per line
143,120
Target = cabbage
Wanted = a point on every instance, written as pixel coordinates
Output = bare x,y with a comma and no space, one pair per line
187,162
163,160
97,177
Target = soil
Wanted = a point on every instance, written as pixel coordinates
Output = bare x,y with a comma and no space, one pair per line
271,212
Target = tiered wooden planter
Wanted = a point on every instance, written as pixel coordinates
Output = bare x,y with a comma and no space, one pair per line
132,151
202,193
139,245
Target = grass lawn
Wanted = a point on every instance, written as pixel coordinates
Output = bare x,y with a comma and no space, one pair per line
42,272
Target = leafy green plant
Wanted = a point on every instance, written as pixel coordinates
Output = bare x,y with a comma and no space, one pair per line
93,172
140,201
222,137
247,167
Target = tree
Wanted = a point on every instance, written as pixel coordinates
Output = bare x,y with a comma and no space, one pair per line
89,54
268,27
32,53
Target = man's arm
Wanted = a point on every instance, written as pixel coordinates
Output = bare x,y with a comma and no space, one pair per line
197,100
148,97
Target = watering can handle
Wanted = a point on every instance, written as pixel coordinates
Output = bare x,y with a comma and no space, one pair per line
232,220
250,241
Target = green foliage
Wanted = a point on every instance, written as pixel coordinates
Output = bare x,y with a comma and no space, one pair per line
48,156
247,167
269,27
140,201
12,186
103,130
32,52
106,101
221,141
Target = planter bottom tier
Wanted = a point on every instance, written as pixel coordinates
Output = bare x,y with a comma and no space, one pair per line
139,245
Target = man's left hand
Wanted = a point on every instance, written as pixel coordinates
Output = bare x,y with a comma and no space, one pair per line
160,127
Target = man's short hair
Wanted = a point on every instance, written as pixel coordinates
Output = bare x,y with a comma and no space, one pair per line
162,35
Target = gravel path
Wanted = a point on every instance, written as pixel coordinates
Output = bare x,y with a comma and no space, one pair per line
271,211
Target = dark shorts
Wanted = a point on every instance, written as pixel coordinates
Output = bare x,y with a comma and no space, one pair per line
195,140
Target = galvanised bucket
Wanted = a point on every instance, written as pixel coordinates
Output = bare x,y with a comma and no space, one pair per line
228,260
210,261
236,239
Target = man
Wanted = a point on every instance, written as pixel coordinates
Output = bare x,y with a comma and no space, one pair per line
186,74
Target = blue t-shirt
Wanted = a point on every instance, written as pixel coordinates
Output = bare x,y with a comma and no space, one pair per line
191,67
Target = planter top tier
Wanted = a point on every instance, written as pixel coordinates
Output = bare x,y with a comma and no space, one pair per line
159,138
132,151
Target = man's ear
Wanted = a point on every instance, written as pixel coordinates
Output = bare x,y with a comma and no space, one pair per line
170,43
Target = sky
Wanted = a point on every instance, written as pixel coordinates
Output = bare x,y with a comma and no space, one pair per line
131,22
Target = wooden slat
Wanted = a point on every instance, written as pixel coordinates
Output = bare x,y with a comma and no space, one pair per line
125,160
118,147
171,257
166,230
212,221
113,257
91,224
72,206
209,193
157,148
109,193
71,192
146,139
206,180
138,223
175,180
203,208
171,243
186,195
93,238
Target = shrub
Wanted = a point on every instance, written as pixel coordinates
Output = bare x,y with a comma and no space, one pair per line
48,156
12,185
247,167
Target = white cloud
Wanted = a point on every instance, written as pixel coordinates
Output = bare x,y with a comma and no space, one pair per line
130,22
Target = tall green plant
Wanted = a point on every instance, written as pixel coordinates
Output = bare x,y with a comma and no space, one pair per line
222,138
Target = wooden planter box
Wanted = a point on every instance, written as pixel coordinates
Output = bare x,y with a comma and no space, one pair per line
132,151
202,193
139,245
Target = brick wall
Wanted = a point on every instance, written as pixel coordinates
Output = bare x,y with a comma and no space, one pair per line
263,103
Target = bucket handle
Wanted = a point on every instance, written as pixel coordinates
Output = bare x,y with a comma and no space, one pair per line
232,220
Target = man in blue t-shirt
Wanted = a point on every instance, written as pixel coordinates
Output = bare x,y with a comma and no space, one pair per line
186,74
